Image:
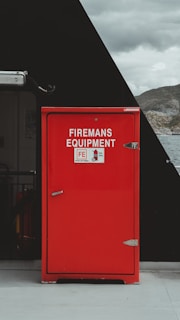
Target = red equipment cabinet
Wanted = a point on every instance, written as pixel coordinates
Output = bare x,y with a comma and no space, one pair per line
90,193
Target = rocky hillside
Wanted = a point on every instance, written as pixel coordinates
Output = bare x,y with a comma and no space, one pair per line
162,108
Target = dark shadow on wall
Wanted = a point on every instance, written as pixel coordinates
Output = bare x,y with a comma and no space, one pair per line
58,45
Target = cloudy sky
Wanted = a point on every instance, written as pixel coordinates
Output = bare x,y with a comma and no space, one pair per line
143,38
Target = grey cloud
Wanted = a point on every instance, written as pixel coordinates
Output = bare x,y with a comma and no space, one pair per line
142,37
96,7
126,24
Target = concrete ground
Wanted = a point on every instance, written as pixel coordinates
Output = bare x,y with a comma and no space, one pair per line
22,296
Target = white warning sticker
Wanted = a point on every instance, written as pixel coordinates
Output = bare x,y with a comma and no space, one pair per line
89,155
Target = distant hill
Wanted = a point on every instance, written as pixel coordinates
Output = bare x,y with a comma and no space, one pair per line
162,108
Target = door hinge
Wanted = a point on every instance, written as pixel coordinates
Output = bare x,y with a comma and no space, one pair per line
131,145
131,242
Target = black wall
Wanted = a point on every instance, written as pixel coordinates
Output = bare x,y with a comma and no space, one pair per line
57,44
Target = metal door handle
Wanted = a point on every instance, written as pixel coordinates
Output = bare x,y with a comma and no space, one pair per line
57,193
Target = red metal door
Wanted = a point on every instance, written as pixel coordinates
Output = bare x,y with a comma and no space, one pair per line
91,193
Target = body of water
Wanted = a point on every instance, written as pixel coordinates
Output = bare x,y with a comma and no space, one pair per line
171,144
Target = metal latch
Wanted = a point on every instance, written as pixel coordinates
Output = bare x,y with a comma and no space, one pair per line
131,145
131,242
57,193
